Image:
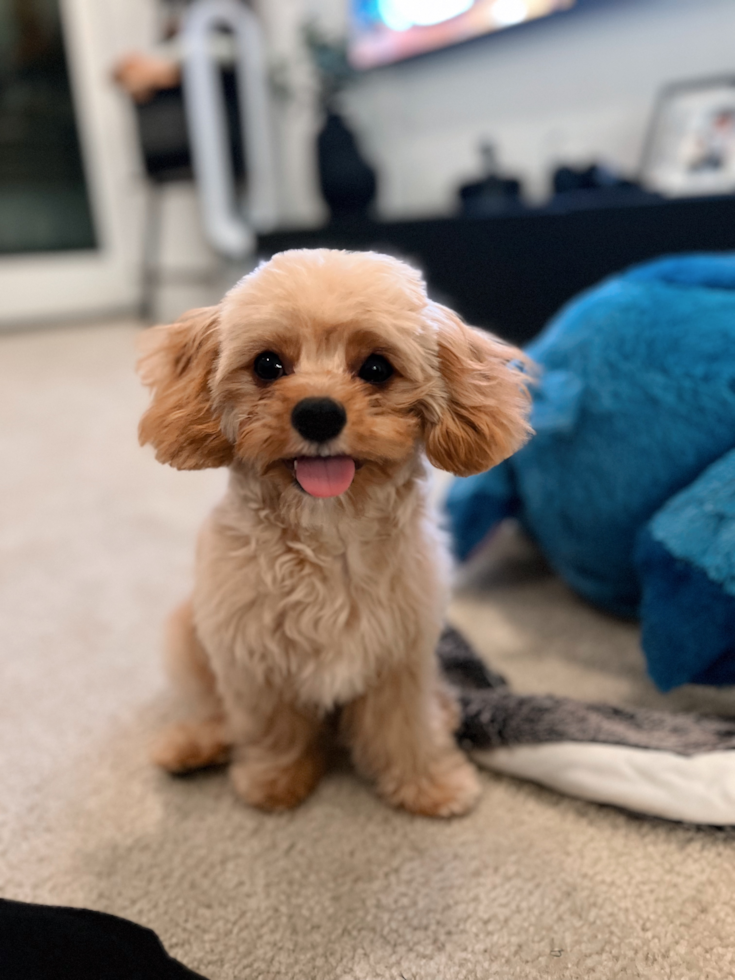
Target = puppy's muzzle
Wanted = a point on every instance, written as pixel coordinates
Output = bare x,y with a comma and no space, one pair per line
318,419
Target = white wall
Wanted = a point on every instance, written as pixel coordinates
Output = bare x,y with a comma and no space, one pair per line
578,87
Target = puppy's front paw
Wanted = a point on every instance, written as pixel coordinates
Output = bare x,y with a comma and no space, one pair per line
191,745
449,789
271,785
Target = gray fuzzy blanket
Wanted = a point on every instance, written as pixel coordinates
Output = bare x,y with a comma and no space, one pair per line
493,716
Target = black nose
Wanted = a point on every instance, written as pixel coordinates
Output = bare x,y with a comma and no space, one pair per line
318,419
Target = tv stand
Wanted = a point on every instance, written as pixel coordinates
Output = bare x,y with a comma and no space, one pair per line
511,272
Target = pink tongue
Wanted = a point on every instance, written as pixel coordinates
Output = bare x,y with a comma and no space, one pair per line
325,476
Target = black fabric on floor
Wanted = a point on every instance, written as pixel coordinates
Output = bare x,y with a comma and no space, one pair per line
44,942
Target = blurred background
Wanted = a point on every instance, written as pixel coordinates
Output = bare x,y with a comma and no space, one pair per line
517,150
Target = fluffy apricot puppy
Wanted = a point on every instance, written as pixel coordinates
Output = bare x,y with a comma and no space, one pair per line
322,380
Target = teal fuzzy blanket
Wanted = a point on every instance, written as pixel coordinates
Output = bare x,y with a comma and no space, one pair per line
628,485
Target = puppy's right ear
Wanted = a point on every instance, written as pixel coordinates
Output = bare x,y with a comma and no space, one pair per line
177,363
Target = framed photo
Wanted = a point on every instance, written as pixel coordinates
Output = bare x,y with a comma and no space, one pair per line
690,149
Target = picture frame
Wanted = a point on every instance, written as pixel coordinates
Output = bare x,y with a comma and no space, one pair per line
690,147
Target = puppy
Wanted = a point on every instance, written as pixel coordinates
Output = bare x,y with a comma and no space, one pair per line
321,380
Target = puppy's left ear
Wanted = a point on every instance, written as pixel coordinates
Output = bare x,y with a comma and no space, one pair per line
483,415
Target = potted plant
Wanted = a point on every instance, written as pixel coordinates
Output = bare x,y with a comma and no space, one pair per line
348,183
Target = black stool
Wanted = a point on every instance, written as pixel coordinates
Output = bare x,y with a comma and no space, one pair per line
164,141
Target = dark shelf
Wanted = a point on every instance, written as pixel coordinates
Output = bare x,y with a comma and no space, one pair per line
512,272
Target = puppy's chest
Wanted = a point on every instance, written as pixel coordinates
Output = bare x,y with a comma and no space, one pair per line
322,618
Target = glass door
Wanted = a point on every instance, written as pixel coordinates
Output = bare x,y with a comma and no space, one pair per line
70,193
44,201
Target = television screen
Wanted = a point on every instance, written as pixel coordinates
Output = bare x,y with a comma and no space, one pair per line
391,30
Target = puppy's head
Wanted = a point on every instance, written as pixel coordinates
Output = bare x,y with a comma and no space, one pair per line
325,373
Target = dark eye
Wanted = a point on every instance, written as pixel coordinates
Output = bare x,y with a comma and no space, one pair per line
376,369
268,366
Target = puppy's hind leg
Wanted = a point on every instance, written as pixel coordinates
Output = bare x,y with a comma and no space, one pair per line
202,740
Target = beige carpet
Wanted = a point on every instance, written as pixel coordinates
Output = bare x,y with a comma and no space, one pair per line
96,543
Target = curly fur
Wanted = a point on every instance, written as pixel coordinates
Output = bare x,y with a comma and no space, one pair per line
306,609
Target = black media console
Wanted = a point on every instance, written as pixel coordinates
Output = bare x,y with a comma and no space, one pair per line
512,272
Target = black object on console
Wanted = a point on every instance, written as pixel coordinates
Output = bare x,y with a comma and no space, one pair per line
347,182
